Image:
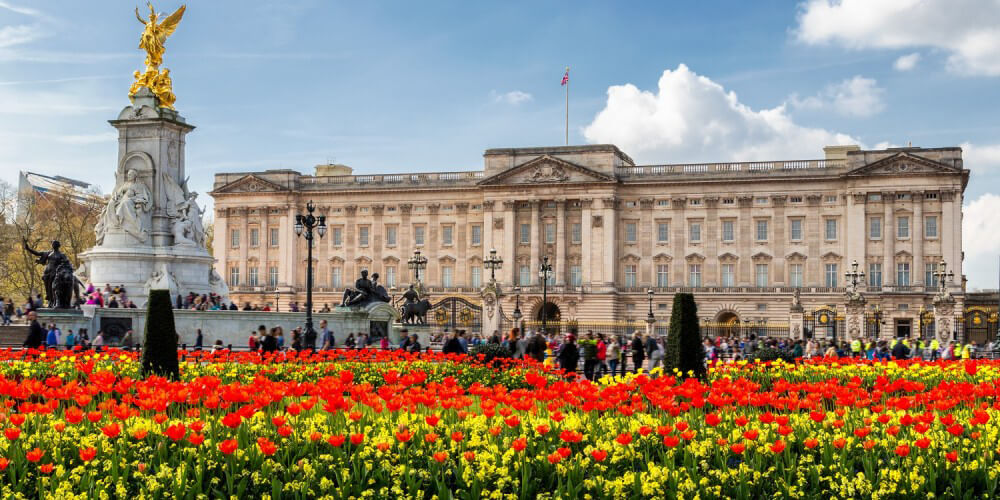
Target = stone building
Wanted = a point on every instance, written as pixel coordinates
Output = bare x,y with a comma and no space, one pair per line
744,236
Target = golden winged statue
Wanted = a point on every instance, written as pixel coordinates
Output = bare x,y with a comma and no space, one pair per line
152,39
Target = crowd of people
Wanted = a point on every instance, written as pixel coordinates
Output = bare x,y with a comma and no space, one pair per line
734,349
50,336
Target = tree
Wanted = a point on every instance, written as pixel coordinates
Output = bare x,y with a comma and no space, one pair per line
208,222
159,354
684,350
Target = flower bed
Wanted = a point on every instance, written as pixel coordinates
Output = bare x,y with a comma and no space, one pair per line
390,425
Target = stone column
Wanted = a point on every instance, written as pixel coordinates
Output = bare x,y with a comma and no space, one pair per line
286,264
510,240
953,201
586,245
221,243
747,240
678,242
535,257
244,245
560,267
608,207
488,231
433,245
855,318
711,234
888,240
778,239
404,242
461,241
265,247
350,272
944,317
376,240
917,237
647,238
854,237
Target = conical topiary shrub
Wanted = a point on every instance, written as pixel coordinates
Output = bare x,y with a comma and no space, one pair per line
159,355
684,350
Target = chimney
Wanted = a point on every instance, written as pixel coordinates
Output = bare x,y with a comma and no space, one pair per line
333,169
839,152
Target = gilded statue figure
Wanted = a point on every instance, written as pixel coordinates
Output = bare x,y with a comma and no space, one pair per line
152,39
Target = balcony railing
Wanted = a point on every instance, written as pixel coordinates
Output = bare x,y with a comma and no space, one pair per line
584,289
752,167
430,178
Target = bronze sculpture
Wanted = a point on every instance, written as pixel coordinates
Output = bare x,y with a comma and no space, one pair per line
365,291
414,308
60,283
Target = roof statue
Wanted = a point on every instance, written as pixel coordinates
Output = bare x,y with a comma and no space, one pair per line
152,39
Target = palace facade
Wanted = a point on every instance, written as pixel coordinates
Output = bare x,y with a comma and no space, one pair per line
743,236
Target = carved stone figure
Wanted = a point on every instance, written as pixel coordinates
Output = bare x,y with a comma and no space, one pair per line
414,308
548,173
126,209
218,285
60,284
161,279
154,34
796,301
184,211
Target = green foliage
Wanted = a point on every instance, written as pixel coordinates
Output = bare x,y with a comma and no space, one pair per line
159,355
684,350
490,352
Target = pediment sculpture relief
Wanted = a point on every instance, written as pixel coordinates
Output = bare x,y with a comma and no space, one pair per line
548,172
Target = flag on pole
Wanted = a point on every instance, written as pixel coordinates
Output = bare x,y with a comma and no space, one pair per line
565,80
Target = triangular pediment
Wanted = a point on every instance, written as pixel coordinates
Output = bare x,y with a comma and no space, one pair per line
546,170
249,184
904,164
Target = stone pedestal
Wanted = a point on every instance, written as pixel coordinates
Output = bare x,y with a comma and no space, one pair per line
795,321
491,309
944,318
150,235
855,318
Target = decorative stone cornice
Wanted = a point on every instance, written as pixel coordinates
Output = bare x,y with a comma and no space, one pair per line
405,208
813,199
378,209
647,203
433,208
461,208
350,210
710,201
510,205
488,205
779,200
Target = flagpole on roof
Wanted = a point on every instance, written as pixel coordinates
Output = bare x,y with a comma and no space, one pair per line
567,105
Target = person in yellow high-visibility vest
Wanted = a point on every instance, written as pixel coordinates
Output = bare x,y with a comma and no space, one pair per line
923,349
893,343
935,349
967,351
856,348
956,351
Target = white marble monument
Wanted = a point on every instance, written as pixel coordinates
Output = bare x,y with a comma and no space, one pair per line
150,234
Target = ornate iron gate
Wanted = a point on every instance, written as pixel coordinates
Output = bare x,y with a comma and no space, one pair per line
823,324
456,312
979,325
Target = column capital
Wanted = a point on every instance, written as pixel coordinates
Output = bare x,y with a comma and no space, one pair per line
488,204
510,205
433,208
405,208
535,204
461,208
586,202
350,210
378,209
710,202
860,197
647,203
609,202
779,200
947,195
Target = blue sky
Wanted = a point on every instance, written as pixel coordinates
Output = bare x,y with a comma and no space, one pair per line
427,86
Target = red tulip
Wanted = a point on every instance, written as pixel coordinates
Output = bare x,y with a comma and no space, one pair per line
12,433
440,456
228,446
34,455
737,448
457,436
112,430
88,454
952,456
519,444
266,446
903,450
624,439
778,446
469,456
599,455
357,439
811,443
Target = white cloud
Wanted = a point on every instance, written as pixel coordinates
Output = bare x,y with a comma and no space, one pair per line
907,62
858,96
514,97
692,118
979,241
981,158
966,30
19,34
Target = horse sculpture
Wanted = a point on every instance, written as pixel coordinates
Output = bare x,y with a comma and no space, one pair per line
416,312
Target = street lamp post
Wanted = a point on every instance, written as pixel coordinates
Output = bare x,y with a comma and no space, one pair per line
493,262
416,264
650,319
943,276
276,297
544,273
854,276
304,226
517,306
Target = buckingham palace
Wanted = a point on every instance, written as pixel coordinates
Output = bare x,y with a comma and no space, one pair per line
749,239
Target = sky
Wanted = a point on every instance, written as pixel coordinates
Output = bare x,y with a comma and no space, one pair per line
401,86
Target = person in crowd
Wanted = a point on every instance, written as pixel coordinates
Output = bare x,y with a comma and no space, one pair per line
383,343
113,303
199,339
36,334
99,341
638,352
217,346
900,351
8,310
405,342
82,338
350,342
614,352
362,341
325,309
414,344
568,355
309,340
293,307
831,350
52,339
127,340
655,351
710,351
269,344
602,356
326,335
70,339
453,346
256,337
297,339
281,337
797,349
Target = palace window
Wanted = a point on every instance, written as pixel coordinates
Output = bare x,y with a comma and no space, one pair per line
575,276
577,232
930,196
663,203
831,199
663,232
550,233
630,235
694,275
525,234
272,276
363,235
931,226
903,273
762,230
831,229
630,273
694,202
234,276
930,279
338,236
447,274
902,196
254,237
729,201
477,276
477,234
390,276
795,274
447,235
831,275
525,276
903,227
728,230
760,201
234,238
337,277
418,235
875,228
662,275
390,236
252,276
761,275
795,229
728,275
695,231
795,199
274,237
874,274
875,197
